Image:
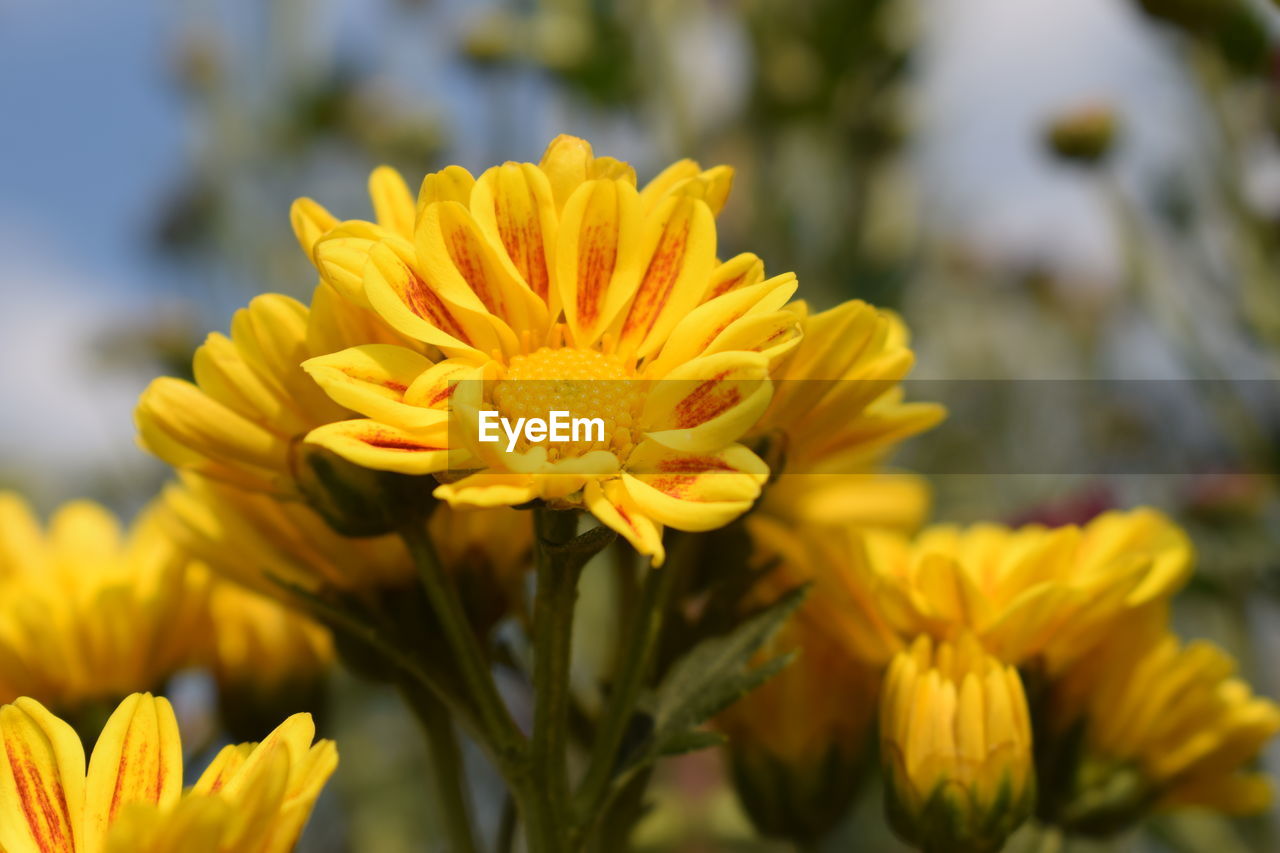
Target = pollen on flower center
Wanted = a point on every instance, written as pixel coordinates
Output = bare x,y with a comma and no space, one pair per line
584,383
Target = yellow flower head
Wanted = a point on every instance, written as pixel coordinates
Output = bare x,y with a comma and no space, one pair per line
797,742
1032,593
88,612
956,746
1164,725
130,800
236,423
558,286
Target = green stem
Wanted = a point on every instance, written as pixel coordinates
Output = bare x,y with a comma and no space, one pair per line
630,679
503,737
557,592
447,767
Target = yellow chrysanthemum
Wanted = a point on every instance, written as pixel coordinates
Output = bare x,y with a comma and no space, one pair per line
237,422
1165,725
1033,592
956,746
257,541
89,613
796,743
130,800
269,660
559,286
837,411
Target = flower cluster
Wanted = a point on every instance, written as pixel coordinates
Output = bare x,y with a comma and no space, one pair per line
336,498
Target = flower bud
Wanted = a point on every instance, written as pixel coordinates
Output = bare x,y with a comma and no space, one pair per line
1084,135
798,743
956,747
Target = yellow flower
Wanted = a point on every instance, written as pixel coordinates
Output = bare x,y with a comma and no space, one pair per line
255,540
837,412
131,800
236,423
269,660
956,745
1164,725
844,604
560,286
89,613
1031,594
797,742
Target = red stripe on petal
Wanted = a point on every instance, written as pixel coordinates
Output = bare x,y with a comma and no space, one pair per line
49,821
659,279
424,302
709,399
597,256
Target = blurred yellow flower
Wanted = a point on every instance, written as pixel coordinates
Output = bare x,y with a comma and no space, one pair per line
88,612
837,412
131,800
250,398
1032,594
255,540
797,743
269,660
956,746
1164,725
559,286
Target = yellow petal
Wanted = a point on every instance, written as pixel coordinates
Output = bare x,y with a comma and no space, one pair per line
453,183
694,491
372,380
514,206
677,253
485,489
137,759
342,254
393,204
716,325
739,271
609,501
41,781
466,271
709,402
384,447
310,222
596,267
414,307
567,164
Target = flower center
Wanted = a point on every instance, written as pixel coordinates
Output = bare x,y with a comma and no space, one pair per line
586,384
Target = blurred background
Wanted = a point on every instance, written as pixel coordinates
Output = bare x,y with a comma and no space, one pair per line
1084,191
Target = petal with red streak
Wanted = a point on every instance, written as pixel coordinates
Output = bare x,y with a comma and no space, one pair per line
596,266
137,759
677,254
373,380
467,271
609,501
708,403
694,491
412,305
515,208
384,447
41,781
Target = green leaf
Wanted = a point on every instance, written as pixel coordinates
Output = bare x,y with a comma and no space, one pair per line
715,673
710,678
